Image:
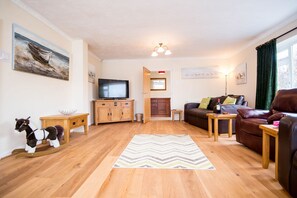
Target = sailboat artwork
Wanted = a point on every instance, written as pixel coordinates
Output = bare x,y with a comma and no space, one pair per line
35,55
39,54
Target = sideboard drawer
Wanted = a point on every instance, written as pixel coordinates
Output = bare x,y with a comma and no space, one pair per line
103,104
126,104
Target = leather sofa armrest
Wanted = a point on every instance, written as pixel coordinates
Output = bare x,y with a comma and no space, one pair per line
253,113
191,105
287,148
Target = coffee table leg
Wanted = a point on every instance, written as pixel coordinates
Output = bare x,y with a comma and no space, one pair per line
230,128
216,132
265,151
209,127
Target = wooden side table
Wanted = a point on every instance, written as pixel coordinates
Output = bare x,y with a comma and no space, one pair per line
216,117
269,130
67,122
176,111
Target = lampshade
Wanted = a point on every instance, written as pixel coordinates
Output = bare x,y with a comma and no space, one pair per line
161,49
154,53
168,52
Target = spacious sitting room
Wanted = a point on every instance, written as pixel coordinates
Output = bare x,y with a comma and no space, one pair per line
157,99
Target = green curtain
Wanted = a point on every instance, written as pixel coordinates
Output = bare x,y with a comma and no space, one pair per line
266,74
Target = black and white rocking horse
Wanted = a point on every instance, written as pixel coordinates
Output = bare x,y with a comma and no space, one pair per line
52,134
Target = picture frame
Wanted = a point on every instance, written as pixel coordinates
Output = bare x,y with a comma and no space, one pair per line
91,77
209,72
158,84
240,74
33,54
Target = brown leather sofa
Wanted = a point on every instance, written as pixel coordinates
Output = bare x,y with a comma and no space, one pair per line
287,161
248,120
195,116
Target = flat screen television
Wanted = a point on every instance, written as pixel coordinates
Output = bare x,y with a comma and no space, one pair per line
113,89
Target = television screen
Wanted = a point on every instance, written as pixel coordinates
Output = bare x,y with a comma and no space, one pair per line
113,89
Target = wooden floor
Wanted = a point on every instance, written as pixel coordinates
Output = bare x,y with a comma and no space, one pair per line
84,168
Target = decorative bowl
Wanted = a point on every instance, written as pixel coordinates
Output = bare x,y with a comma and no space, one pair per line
67,111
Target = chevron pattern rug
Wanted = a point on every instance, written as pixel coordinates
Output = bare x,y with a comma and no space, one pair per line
163,152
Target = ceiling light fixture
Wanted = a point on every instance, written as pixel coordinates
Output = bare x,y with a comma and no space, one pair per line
161,49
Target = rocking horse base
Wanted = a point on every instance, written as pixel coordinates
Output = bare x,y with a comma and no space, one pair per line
40,151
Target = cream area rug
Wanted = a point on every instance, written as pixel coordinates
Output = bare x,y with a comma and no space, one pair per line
163,152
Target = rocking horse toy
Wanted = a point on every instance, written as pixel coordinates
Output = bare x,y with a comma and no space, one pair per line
34,137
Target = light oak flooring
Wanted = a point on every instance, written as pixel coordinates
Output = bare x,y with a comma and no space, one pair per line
84,168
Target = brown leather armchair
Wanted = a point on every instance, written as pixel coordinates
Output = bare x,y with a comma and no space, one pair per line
287,152
248,120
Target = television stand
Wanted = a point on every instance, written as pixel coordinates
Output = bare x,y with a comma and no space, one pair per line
108,111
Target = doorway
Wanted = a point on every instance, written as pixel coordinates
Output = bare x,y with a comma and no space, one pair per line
160,94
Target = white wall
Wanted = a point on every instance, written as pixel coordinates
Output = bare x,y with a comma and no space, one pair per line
192,90
249,56
94,66
25,94
183,90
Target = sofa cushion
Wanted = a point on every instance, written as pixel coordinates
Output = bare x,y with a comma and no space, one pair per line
239,99
214,101
229,100
232,108
201,113
275,117
285,101
222,99
204,103
251,126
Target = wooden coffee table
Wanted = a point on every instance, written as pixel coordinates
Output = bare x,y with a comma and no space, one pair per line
67,122
269,130
216,117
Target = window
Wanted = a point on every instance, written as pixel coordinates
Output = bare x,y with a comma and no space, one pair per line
287,63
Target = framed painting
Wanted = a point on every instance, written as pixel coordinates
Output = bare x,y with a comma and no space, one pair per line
158,84
240,74
200,72
35,55
91,78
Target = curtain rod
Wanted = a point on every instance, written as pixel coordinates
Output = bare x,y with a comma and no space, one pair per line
286,33
277,37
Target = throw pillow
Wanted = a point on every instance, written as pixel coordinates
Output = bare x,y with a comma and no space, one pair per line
275,117
229,100
204,103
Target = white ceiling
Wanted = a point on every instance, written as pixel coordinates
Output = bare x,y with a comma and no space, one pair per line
129,29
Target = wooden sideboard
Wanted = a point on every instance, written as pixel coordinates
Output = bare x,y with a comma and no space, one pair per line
160,107
113,111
